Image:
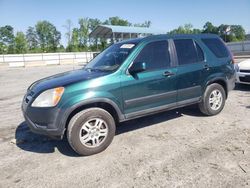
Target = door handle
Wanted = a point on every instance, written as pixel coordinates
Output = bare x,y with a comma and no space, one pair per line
168,74
206,67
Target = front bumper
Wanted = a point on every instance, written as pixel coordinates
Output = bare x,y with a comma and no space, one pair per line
243,77
46,121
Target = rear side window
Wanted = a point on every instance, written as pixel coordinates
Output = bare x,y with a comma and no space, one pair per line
155,55
216,46
188,51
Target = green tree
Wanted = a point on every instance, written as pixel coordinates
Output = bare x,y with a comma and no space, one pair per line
210,28
231,33
186,29
75,40
222,29
83,33
79,39
117,21
6,39
225,33
238,32
32,40
197,31
145,24
3,48
93,23
21,45
60,49
48,36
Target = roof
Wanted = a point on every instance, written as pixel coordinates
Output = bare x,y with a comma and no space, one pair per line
106,31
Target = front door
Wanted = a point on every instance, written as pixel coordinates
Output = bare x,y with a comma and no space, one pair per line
153,88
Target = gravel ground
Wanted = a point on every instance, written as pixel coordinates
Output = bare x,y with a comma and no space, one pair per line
179,148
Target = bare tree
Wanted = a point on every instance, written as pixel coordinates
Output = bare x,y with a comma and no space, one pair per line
68,26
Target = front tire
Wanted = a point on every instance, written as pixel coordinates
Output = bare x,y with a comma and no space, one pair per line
91,131
213,100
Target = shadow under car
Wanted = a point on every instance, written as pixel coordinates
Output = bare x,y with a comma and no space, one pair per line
29,141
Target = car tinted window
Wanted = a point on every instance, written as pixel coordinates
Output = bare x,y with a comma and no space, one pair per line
155,55
200,53
186,51
216,46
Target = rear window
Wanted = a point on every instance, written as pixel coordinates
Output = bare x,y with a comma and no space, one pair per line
216,46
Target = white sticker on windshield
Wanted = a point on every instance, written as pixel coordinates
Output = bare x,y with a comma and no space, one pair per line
128,46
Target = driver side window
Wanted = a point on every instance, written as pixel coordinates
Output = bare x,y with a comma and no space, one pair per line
155,55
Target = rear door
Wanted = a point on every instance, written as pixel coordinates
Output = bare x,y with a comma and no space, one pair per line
192,70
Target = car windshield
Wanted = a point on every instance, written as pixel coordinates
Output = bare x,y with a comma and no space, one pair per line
111,58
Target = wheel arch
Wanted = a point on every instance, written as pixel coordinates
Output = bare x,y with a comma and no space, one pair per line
103,103
222,81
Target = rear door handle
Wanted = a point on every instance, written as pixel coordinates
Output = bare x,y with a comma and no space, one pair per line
206,67
168,74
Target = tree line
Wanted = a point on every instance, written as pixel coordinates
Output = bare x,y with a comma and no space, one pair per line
229,33
44,36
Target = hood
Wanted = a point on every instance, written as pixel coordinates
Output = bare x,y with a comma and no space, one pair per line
244,64
64,79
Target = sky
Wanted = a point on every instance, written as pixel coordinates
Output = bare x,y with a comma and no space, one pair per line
164,14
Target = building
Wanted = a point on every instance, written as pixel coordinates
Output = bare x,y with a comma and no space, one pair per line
117,33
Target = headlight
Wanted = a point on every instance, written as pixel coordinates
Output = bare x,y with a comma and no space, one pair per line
49,98
236,67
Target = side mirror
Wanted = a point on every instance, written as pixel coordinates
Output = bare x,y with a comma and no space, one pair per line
137,67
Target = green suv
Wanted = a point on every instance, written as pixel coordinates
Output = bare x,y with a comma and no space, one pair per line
130,79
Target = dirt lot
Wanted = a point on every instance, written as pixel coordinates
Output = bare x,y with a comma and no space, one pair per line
180,148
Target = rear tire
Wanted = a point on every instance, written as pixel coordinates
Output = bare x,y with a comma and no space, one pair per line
213,100
91,131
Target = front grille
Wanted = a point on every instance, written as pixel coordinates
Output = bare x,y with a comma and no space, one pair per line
245,71
245,79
